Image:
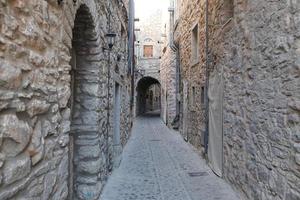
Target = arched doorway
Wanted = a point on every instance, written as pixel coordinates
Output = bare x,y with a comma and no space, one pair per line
86,161
148,96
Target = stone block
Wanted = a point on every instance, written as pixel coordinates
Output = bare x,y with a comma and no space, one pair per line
10,76
292,195
37,107
297,158
263,173
37,140
65,127
297,147
294,104
16,169
294,118
49,128
89,152
2,160
64,94
62,192
35,191
62,171
49,182
36,146
18,105
3,105
88,191
280,152
90,167
63,141
15,134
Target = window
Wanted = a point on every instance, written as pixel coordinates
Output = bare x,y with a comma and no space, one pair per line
148,51
123,39
193,98
202,95
195,45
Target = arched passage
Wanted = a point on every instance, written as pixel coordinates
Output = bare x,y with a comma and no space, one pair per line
148,95
86,162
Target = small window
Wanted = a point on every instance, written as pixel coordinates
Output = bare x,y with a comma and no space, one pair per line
202,95
148,51
193,98
195,45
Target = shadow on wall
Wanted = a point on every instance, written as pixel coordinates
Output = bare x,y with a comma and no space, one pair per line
148,96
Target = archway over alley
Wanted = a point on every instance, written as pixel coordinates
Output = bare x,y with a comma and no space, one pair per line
148,95
85,136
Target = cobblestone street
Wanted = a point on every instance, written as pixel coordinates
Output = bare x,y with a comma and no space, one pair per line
158,164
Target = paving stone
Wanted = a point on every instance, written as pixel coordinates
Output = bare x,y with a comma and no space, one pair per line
158,164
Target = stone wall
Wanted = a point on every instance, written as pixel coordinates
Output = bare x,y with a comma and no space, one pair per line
258,51
192,72
169,72
168,84
53,97
150,34
256,47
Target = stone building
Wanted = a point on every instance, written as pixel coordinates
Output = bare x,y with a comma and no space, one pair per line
148,57
187,41
64,96
169,72
240,90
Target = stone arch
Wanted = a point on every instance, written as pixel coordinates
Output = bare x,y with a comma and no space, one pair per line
87,166
143,84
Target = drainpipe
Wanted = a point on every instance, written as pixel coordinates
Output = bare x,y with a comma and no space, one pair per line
175,48
178,81
108,95
131,61
206,78
172,44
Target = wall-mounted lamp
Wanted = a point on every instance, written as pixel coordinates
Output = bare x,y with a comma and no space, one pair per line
111,38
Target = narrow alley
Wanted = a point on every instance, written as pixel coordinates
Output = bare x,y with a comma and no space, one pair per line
158,165
149,100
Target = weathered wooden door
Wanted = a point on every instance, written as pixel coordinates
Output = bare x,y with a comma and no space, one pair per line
185,110
215,140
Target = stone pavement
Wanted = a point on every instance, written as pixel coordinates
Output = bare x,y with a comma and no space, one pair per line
158,165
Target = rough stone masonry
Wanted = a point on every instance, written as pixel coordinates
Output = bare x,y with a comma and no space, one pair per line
57,102
255,46
147,71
